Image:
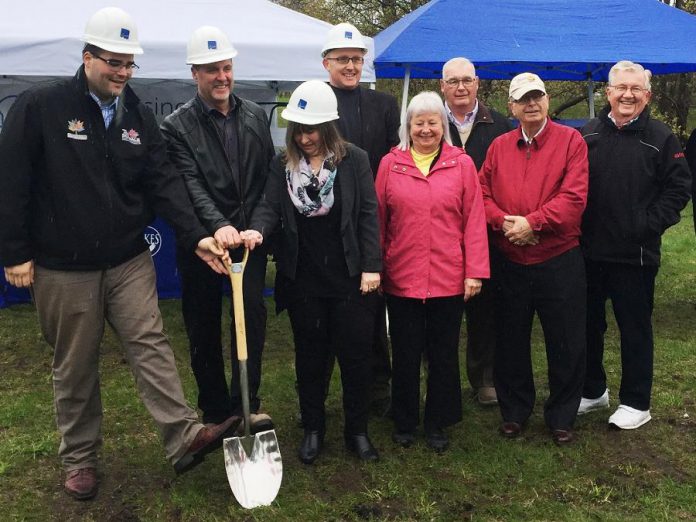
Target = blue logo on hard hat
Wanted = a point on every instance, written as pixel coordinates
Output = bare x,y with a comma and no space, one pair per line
125,33
348,35
302,104
212,44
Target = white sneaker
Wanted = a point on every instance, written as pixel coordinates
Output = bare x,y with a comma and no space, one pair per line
588,405
627,418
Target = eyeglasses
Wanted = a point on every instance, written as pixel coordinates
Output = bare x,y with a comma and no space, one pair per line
535,97
454,82
635,90
343,60
116,65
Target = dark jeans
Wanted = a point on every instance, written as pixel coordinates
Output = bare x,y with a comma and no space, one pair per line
631,289
430,327
480,337
201,305
556,291
325,326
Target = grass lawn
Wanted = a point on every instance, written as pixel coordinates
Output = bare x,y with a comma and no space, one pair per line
648,474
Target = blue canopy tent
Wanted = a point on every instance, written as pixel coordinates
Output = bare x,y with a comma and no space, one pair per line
557,39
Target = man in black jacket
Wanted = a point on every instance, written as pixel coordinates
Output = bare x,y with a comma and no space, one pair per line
82,168
474,126
639,182
370,120
222,147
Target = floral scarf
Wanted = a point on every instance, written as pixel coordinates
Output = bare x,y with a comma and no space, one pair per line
312,195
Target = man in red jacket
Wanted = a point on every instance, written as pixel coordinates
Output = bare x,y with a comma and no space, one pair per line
534,182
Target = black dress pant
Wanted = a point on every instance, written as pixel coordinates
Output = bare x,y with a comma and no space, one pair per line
201,305
631,289
430,327
323,326
480,337
556,291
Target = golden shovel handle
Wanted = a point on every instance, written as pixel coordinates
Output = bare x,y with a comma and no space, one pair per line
236,271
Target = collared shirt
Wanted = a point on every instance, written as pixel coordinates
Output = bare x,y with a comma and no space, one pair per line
611,117
463,128
469,117
108,110
226,126
529,140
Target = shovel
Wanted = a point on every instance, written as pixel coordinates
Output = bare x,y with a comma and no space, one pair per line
252,462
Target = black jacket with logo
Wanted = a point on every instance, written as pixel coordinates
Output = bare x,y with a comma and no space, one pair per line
76,196
195,147
639,183
488,125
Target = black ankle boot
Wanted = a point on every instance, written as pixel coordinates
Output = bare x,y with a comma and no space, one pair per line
359,443
310,446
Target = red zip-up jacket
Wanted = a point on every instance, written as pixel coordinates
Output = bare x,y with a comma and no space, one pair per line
546,182
433,229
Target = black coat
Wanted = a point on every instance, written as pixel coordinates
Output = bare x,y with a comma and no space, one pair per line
691,159
77,196
359,230
380,118
195,147
639,183
488,125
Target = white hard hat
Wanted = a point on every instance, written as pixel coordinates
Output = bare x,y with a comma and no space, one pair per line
343,36
209,44
313,102
112,29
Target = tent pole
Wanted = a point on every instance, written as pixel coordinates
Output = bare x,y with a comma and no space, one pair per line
590,96
404,94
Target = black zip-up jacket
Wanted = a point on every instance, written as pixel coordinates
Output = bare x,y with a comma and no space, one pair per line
359,229
488,125
76,196
639,183
195,147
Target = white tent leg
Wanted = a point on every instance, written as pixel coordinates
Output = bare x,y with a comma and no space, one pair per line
404,95
590,96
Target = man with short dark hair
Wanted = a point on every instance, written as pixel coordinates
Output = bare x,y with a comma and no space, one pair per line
534,182
370,120
83,168
221,146
639,183
473,126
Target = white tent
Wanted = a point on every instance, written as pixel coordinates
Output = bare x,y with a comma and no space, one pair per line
277,46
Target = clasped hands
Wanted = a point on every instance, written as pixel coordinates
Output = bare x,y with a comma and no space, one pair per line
518,231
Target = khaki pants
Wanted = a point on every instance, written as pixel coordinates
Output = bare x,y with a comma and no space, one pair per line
72,307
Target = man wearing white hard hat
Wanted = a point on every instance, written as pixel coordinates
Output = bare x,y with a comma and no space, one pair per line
221,145
83,169
369,119
328,259
534,182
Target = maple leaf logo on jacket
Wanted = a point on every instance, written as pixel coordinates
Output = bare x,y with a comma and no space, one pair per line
131,136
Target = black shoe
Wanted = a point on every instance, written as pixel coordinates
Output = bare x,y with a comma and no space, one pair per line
405,439
310,446
360,445
437,440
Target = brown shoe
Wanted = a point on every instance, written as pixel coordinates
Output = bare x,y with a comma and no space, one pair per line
208,439
486,396
81,483
510,429
562,437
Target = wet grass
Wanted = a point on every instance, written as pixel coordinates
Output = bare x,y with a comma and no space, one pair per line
649,474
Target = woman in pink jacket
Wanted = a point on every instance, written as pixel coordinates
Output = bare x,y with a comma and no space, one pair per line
435,248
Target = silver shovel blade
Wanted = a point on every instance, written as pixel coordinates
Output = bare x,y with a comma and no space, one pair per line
255,477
